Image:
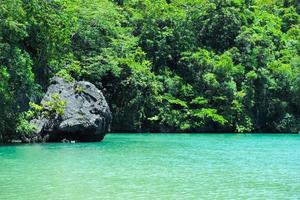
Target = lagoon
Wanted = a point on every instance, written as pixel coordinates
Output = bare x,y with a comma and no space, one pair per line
155,166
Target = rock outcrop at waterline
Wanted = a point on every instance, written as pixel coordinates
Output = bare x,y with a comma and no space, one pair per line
82,113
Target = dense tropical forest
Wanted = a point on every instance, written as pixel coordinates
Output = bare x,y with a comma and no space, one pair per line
163,65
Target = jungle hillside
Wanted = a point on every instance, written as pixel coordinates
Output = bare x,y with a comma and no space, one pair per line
201,66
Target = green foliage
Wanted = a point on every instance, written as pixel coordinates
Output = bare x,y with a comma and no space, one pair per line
55,106
209,114
35,110
23,126
79,89
63,73
175,102
218,23
17,84
199,101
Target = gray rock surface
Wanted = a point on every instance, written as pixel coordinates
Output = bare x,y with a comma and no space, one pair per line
86,116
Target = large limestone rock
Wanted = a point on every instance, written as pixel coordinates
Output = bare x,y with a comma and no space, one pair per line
86,115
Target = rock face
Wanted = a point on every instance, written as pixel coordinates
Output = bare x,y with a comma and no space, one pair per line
86,116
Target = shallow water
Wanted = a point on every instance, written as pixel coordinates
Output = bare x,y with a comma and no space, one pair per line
158,166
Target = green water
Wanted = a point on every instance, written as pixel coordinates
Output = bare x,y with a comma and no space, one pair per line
155,167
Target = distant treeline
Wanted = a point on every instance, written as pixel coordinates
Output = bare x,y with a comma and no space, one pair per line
163,65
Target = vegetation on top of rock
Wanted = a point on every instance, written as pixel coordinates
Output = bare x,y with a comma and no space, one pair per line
55,106
78,89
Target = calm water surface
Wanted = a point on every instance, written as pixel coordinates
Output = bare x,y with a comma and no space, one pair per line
155,167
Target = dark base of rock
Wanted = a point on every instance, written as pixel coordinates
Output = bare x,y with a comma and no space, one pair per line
61,136
74,136
34,138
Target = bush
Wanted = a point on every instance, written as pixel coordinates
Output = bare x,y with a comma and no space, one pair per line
23,126
55,107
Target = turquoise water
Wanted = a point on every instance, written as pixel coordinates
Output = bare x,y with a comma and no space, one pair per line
155,167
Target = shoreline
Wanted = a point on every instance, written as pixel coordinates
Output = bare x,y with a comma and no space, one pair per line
18,142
